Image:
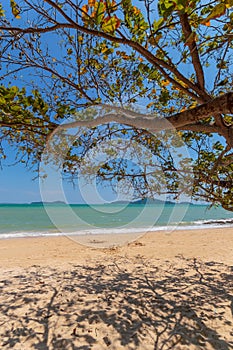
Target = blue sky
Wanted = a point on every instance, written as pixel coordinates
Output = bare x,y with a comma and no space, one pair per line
19,184
16,184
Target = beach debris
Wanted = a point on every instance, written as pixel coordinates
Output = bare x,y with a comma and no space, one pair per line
97,241
136,244
96,329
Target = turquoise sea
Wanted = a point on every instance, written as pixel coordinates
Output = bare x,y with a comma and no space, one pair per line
22,220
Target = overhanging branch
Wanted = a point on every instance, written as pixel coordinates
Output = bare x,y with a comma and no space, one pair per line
221,104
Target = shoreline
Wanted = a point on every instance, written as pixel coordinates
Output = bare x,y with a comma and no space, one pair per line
214,224
215,244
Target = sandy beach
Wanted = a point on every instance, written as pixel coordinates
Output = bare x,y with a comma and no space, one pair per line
161,291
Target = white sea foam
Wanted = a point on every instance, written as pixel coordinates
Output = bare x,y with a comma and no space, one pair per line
197,225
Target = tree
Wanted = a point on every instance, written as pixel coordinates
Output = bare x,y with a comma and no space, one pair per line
174,56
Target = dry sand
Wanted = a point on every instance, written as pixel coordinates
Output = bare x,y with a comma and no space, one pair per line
163,291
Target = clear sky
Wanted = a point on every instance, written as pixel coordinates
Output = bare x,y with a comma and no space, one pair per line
18,184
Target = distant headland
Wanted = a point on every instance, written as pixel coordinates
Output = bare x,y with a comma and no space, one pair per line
47,203
152,201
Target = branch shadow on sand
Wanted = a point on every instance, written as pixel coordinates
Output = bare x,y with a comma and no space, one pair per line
121,304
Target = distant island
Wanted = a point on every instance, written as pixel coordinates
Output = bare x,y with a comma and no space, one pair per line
151,201
123,202
136,202
50,203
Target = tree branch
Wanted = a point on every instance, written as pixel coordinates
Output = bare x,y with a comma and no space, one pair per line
16,124
221,104
201,128
31,30
227,161
191,43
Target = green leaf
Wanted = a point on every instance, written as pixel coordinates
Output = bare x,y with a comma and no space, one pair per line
15,9
2,100
99,12
157,24
110,25
165,8
216,12
15,108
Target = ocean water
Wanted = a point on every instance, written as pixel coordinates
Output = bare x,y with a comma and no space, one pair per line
21,220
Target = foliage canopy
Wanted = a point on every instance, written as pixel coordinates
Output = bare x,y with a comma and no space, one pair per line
174,57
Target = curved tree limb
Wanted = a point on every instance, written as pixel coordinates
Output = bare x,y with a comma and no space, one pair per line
221,104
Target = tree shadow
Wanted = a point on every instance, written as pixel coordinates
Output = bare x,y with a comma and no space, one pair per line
123,304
